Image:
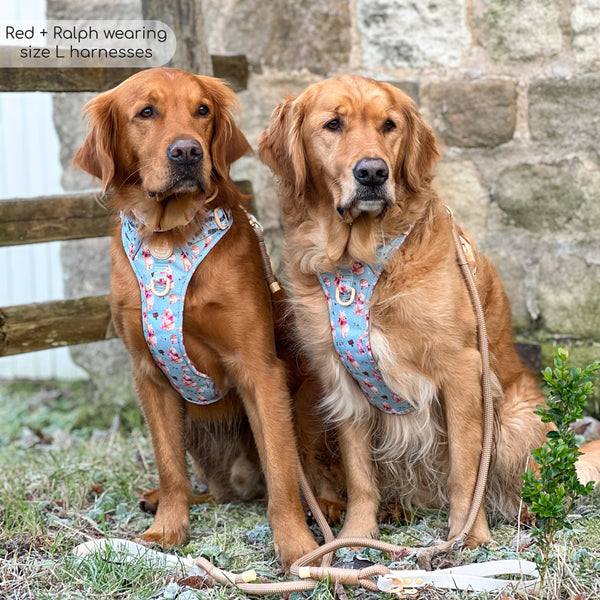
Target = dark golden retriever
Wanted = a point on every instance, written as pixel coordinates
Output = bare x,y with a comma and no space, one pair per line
163,142
374,281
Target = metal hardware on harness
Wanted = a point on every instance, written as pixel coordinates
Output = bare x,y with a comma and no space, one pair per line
163,292
345,302
160,251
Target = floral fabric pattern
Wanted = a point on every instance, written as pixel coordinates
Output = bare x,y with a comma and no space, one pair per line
348,294
163,283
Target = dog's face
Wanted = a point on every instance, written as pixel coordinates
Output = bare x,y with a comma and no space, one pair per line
360,142
165,131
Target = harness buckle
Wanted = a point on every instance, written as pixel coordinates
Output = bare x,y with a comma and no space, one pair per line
220,224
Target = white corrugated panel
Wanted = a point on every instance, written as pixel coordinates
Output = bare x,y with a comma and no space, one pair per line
29,166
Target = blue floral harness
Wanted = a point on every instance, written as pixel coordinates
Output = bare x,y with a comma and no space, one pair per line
163,278
349,312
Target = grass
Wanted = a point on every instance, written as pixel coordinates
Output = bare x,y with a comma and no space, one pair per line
61,486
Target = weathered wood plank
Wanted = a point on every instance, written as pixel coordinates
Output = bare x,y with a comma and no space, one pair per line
62,217
50,218
32,327
233,69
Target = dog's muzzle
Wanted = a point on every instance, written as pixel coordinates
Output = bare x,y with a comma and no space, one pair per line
184,159
371,194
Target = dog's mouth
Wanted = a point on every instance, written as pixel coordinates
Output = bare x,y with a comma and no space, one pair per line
179,184
369,201
177,203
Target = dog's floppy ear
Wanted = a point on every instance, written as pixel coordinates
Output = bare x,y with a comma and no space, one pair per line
96,155
228,142
280,146
420,151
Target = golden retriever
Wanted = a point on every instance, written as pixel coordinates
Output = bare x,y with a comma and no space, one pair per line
163,142
355,160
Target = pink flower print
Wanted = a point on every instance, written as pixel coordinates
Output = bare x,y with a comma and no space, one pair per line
168,320
360,347
368,345
376,375
332,325
131,250
147,256
357,268
370,386
195,250
350,359
337,279
172,258
187,265
173,298
207,242
151,338
386,407
187,380
327,281
359,304
364,284
328,298
343,324
162,364
173,339
173,355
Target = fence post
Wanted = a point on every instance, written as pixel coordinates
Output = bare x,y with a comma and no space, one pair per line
185,18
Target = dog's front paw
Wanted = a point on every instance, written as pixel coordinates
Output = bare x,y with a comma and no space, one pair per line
290,548
165,535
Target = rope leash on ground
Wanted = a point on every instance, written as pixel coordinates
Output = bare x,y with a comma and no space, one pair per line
475,577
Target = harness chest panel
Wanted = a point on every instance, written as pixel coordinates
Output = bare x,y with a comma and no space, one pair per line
348,293
163,282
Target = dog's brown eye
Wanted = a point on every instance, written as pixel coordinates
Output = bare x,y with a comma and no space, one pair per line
146,112
333,125
203,110
389,125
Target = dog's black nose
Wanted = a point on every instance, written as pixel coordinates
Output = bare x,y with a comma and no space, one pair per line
371,171
185,151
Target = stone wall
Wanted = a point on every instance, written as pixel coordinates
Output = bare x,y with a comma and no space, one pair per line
511,88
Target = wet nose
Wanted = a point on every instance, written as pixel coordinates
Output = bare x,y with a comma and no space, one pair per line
371,171
185,151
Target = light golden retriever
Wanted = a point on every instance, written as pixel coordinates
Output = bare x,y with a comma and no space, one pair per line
355,160
163,142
